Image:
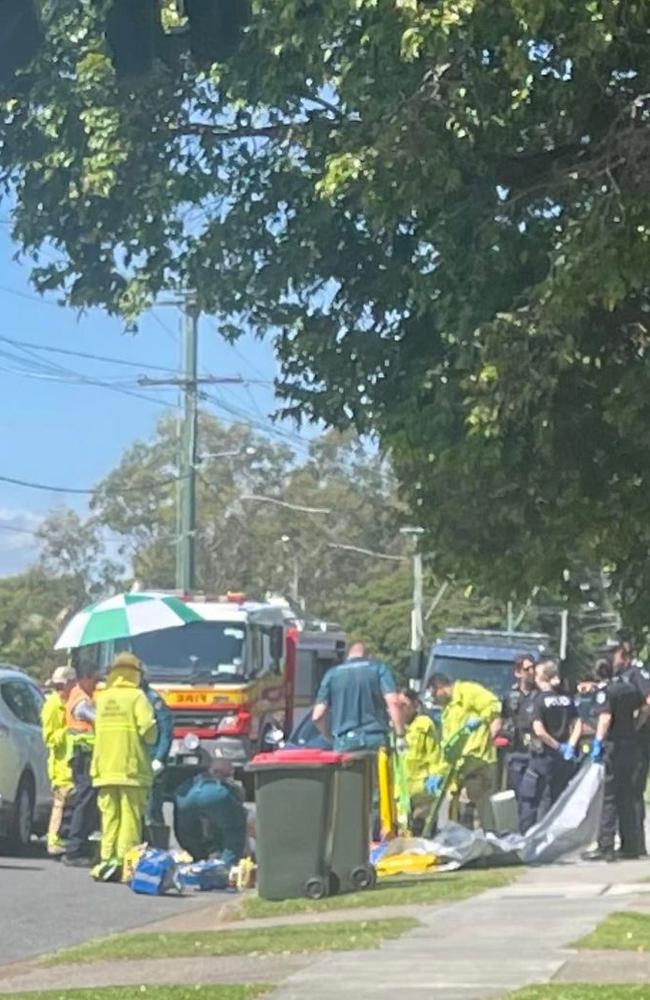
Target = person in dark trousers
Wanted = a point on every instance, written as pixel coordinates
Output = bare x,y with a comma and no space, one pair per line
517,716
556,731
616,741
159,754
639,677
80,724
209,815
360,700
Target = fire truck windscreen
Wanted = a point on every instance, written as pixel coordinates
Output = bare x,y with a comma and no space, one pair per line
201,651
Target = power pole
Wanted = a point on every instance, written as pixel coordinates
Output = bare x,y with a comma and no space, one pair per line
186,486
189,382
417,610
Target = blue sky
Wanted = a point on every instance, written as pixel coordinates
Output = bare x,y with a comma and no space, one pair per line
67,434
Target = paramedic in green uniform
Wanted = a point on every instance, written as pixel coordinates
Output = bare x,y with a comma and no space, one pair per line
357,702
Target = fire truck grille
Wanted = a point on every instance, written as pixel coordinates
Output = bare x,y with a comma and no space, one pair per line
197,720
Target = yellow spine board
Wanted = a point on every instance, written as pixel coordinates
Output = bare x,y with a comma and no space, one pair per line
386,785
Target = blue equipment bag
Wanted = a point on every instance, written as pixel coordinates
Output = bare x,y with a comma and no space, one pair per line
203,876
155,874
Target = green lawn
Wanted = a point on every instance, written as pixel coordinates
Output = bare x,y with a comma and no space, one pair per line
339,936
620,931
395,891
576,991
149,993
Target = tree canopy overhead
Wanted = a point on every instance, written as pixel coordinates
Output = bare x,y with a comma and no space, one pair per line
440,211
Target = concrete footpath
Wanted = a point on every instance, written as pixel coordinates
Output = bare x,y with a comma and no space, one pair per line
473,950
486,946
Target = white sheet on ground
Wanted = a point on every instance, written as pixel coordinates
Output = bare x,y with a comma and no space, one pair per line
570,824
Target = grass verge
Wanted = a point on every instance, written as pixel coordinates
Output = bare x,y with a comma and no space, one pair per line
396,891
339,936
149,993
578,991
620,931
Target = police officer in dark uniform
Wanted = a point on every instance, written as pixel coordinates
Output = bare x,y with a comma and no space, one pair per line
617,742
517,716
556,729
639,677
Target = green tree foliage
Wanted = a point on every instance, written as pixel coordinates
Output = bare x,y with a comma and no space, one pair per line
377,612
266,523
32,606
441,209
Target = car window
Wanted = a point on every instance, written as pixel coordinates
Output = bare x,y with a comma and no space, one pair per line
22,700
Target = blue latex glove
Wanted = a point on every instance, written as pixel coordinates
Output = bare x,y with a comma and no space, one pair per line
596,751
472,725
567,751
433,784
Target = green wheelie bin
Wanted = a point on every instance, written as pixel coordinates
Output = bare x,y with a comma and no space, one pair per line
313,822
295,805
351,820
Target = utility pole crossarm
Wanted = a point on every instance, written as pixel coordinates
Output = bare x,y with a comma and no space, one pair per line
185,383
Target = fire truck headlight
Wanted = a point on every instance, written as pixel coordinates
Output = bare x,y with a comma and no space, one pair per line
228,721
191,742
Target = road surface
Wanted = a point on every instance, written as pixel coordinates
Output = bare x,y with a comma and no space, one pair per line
45,906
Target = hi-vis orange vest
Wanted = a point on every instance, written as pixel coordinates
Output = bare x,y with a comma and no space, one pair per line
79,731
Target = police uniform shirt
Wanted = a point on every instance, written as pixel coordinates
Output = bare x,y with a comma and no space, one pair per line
556,712
518,709
622,700
639,677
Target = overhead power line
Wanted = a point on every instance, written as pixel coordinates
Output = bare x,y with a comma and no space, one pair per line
86,491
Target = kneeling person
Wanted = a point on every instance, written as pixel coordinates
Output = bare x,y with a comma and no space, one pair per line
423,759
209,815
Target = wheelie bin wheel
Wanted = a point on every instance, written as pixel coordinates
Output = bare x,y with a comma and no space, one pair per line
315,888
364,877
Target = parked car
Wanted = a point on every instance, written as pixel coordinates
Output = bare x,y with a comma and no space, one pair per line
25,792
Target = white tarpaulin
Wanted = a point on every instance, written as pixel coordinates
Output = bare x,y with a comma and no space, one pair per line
569,825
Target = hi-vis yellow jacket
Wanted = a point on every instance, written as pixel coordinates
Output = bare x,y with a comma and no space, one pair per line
55,737
125,726
423,757
472,701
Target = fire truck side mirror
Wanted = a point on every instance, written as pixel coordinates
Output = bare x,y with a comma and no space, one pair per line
277,643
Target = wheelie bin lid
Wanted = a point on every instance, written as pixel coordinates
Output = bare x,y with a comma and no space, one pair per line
307,757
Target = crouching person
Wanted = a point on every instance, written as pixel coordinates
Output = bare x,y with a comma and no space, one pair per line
423,760
209,815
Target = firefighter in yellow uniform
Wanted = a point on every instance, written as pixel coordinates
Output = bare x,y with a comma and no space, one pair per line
55,737
471,709
125,727
423,761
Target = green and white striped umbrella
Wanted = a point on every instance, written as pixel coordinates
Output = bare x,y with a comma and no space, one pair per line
122,616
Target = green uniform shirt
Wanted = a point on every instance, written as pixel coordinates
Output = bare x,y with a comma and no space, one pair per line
354,694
